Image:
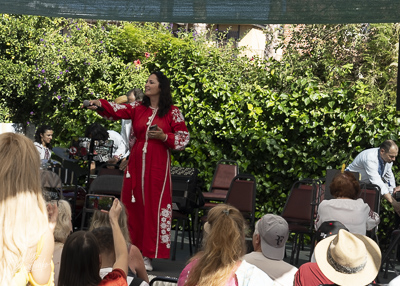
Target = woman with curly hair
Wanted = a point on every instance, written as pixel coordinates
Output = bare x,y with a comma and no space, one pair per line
220,262
62,231
347,207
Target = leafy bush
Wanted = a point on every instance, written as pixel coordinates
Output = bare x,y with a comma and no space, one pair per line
330,97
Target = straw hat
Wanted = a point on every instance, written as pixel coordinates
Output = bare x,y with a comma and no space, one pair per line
348,259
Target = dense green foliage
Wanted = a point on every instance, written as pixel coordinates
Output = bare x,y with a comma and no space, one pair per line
329,97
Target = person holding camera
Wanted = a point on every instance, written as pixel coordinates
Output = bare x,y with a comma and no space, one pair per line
159,127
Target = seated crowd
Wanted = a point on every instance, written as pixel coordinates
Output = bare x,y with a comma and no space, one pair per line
39,247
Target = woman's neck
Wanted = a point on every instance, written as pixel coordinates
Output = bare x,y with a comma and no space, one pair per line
154,102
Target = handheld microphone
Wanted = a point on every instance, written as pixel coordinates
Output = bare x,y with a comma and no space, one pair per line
86,103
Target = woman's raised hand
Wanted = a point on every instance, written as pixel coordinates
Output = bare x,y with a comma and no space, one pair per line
115,211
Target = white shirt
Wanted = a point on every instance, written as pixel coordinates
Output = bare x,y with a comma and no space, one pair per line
126,126
367,165
44,155
119,145
355,215
249,275
278,270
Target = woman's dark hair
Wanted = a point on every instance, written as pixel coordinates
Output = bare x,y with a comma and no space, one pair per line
104,236
41,130
80,260
97,132
345,185
165,102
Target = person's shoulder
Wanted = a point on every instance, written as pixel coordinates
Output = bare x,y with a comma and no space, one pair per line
369,151
255,255
116,277
247,269
38,145
309,266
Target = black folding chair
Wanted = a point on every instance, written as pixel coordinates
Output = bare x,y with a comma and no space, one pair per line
163,279
103,185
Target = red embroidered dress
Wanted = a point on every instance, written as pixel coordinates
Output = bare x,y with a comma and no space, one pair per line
147,192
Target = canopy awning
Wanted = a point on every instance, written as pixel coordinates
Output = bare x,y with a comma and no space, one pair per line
215,11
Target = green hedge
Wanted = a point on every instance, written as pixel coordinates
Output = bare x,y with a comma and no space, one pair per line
284,120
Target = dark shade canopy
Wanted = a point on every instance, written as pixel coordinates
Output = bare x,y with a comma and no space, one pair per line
215,11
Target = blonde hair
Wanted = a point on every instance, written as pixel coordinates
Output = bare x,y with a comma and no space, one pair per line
23,214
224,246
63,226
100,219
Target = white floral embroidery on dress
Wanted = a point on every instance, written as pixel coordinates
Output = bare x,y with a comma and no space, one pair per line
177,116
117,107
165,218
135,104
181,139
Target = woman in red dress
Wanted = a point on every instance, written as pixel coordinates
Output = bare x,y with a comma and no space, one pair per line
147,194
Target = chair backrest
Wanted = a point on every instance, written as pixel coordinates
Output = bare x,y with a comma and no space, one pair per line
173,280
371,194
225,171
67,176
50,179
112,170
107,184
184,189
242,195
330,174
302,202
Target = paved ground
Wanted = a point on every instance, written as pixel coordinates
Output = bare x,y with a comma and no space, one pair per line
167,267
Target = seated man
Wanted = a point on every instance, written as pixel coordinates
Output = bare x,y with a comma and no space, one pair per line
269,240
106,242
342,259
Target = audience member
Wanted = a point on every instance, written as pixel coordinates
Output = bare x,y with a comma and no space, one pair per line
220,263
62,230
347,207
136,263
99,132
269,240
80,257
26,228
107,253
43,137
327,229
344,259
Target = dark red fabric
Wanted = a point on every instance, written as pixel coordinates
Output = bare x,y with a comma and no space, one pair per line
149,179
309,274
